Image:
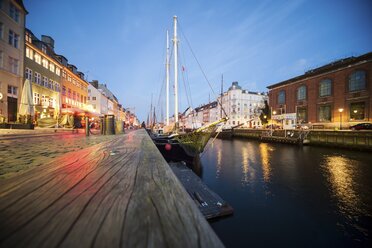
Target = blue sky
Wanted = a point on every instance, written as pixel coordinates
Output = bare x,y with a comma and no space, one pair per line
257,43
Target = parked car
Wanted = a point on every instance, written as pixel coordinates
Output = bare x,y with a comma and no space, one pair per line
362,126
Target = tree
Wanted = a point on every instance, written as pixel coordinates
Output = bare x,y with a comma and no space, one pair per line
265,115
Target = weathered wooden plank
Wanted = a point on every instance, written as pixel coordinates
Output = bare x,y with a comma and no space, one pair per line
117,194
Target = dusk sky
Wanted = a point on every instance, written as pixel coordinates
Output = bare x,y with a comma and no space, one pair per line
257,43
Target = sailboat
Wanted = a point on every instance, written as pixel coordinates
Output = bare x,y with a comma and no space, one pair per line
179,146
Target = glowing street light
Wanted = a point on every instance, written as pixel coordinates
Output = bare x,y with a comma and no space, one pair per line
340,110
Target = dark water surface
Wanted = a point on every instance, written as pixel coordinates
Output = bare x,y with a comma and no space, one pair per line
290,196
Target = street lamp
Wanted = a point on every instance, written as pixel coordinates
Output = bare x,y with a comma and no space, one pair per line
340,110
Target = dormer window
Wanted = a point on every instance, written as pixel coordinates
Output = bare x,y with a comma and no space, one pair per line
43,48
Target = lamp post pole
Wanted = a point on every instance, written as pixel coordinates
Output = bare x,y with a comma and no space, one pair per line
340,110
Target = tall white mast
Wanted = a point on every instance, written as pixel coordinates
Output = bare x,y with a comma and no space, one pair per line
175,44
167,80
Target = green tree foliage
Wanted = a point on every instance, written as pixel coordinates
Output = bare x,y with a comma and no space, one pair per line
265,115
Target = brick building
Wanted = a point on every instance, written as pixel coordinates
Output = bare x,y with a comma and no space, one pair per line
328,96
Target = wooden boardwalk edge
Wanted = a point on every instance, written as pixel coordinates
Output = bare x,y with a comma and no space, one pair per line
117,194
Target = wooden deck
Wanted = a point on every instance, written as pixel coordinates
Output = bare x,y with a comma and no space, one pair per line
120,193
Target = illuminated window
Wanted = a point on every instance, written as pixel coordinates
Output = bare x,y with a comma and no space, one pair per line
64,74
28,37
58,71
36,98
302,114
51,67
301,93
357,81
69,78
324,113
38,58
45,63
357,110
281,97
29,53
325,88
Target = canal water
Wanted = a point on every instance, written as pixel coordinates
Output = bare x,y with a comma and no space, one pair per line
290,196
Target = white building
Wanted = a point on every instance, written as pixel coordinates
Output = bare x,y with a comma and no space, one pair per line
242,106
97,100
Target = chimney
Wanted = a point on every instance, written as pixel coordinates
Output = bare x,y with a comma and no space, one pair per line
48,40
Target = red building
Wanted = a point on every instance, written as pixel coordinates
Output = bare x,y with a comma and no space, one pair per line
335,94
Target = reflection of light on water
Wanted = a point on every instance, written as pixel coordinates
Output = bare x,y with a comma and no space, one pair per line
265,160
341,177
245,163
219,160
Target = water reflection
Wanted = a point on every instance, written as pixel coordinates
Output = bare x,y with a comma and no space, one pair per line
219,161
265,161
245,164
341,178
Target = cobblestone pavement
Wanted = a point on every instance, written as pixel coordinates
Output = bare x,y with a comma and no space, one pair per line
18,155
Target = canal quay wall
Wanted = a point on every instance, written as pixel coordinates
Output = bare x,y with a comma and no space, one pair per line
358,140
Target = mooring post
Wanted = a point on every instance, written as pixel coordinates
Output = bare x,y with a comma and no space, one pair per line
86,126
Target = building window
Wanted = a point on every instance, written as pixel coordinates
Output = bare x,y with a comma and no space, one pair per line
301,115
69,93
82,99
281,97
51,102
301,93
357,111
45,63
12,91
45,82
64,74
38,58
14,12
28,37
43,48
64,90
28,74
94,98
325,88
13,39
357,81
324,114
85,99
51,67
69,78
58,71
29,53
13,65
36,98
51,83
88,98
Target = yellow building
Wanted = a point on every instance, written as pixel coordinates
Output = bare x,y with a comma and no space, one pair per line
12,24
74,90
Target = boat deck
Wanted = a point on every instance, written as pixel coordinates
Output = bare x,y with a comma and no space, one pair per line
210,204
